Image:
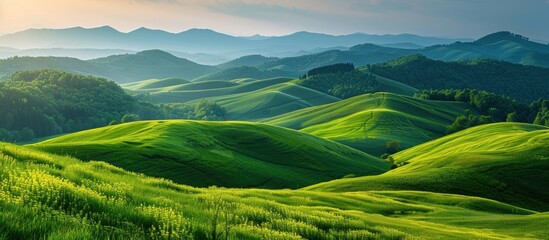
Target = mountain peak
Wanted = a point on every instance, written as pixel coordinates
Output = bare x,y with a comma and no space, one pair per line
141,29
200,30
500,36
103,28
156,52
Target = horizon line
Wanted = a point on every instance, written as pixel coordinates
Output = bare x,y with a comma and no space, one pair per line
240,36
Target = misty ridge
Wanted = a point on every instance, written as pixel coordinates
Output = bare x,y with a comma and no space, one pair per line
202,45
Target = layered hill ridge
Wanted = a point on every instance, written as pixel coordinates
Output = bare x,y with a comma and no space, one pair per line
121,68
230,154
503,161
158,64
367,122
197,40
524,83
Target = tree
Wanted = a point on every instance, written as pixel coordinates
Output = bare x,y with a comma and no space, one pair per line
130,117
334,68
392,146
512,117
209,111
27,134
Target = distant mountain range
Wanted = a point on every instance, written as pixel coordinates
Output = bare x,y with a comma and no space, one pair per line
504,46
132,67
121,68
201,41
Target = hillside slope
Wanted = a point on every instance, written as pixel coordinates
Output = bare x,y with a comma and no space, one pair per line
244,72
503,161
230,154
150,84
271,101
367,122
182,93
46,196
524,83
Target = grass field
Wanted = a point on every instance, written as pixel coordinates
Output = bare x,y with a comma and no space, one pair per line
271,101
187,92
247,98
367,122
507,162
45,196
229,154
151,84
392,86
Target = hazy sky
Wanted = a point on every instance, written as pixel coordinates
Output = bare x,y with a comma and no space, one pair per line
456,18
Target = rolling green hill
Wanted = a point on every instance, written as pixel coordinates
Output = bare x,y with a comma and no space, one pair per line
45,196
253,99
154,83
271,101
230,154
194,91
244,72
367,122
507,162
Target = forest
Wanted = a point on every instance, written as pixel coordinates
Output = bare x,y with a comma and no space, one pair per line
490,107
339,80
49,102
522,82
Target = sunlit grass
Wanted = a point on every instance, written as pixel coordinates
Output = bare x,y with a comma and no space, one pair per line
49,196
230,154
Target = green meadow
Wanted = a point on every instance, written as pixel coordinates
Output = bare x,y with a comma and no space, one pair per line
367,122
228,154
503,161
46,196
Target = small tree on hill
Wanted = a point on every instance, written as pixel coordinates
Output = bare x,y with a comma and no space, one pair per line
512,117
392,146
130,117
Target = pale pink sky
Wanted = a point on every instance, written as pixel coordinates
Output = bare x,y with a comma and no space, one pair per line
456,18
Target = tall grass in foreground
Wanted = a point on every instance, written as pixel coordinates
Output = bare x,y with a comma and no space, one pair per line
45,196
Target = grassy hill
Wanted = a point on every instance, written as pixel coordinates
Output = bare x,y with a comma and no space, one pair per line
154,83
367,122
230,154
198,90
244,72
271,101
251,99
57,197
504,161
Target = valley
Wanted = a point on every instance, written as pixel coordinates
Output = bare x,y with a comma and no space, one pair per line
110,133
